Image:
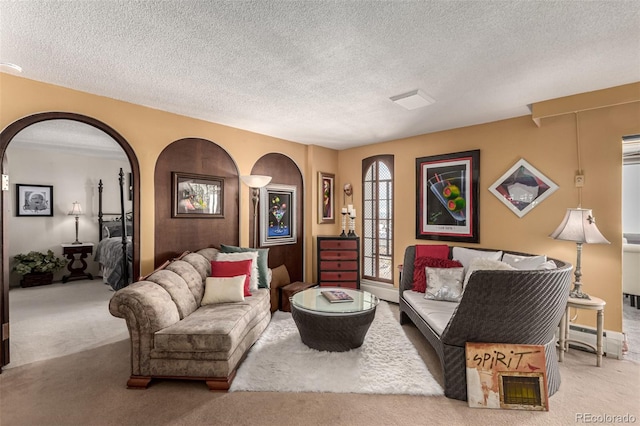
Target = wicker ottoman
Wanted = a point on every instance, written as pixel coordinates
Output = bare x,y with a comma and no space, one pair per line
289,290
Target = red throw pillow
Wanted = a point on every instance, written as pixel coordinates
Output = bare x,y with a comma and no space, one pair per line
223,269
437,251
419,274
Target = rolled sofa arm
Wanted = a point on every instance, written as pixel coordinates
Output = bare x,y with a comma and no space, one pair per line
147,308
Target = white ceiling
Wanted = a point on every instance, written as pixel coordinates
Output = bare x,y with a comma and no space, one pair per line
322,72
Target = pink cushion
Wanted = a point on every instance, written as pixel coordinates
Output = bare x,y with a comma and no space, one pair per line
419,274
227,269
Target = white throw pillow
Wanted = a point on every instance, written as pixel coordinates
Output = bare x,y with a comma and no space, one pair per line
444,284
245,255
483,264
223,290
524,262
465,255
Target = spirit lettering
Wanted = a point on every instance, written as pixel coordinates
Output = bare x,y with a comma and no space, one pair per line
497,357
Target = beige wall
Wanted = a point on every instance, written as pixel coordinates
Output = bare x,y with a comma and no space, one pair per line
148,131
551,148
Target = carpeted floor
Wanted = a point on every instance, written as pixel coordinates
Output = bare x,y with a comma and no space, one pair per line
61,319
88,388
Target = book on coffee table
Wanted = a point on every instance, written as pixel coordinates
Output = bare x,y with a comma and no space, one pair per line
335,296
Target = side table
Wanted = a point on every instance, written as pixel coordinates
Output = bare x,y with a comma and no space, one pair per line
593,304
70,251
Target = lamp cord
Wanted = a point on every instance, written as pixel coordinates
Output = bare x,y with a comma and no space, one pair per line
579,159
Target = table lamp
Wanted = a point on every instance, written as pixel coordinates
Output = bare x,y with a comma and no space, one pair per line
76,211
579,226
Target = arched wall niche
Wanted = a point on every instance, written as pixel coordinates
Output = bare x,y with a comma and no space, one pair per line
283,170
178,234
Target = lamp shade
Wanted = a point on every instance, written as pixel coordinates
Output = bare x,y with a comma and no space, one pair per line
256,181
579,226
76,210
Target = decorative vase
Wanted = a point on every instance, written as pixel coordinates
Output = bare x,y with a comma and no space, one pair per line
36,278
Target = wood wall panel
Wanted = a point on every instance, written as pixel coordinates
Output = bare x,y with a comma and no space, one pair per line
176,235
283,171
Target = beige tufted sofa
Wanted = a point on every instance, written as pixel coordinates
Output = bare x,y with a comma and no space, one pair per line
172,336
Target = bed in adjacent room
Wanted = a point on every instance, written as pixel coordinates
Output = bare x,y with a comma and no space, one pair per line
114,250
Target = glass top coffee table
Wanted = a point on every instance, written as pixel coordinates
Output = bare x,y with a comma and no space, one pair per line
337,326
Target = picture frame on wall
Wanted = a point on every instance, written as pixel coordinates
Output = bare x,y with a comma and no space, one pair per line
197,196
522,187
326,198
34,200
278,215
447,198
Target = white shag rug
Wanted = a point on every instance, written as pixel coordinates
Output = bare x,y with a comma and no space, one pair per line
386,363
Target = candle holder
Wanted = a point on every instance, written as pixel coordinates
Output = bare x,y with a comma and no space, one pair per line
344,224
352,227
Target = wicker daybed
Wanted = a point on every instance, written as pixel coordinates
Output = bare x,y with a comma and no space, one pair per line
497,306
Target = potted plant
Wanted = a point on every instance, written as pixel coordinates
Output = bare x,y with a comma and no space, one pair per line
37,268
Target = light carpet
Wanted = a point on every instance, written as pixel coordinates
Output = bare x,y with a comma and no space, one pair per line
386,363
60,319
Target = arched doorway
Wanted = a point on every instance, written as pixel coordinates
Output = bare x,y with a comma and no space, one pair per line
6,136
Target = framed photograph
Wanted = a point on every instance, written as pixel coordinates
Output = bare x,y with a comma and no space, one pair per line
197,196
447,197
326,198
278,215
34,200
522,188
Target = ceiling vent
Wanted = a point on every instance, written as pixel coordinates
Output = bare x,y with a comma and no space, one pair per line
413,100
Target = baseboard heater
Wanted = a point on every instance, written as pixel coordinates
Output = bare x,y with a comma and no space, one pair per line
383,291
611,340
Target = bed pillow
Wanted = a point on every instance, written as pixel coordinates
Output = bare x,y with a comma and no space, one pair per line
484,264
113,228
465,255
263,258
419,275
444,284
226,269
223,290
233,257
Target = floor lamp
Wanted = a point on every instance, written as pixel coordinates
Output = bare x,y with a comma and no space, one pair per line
255,182
579,226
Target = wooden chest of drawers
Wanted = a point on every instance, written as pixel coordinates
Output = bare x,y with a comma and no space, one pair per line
338,262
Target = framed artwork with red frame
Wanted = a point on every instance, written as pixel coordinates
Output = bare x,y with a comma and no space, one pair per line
447,197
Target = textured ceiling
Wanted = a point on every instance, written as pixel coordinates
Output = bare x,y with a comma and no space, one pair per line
322,72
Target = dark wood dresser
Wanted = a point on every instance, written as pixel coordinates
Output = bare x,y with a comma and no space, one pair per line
338,262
